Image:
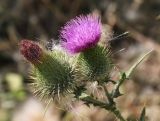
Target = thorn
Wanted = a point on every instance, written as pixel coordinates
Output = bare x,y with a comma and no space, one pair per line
119,36
46,108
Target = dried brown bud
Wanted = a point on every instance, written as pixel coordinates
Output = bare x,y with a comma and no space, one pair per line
31,51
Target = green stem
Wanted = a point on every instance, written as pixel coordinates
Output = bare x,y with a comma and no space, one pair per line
89,100
110,99
112,103
110,107
118,114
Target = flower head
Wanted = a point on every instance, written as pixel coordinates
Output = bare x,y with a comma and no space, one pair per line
30,50
81,33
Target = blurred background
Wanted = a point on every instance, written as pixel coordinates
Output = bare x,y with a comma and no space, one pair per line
41,20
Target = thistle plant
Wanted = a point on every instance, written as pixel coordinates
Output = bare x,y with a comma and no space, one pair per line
81,61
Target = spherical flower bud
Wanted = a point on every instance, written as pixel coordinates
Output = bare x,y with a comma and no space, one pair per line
54,77
52,72
31,51
95,64
81,33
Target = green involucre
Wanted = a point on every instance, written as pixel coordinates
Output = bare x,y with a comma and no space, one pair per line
95,64
54,76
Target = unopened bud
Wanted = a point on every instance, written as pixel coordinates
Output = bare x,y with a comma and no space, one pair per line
31,51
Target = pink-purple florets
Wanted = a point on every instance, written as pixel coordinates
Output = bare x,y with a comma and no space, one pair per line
81,33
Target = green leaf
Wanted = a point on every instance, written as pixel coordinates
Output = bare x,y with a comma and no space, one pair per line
116,93
79,90
132,68
142,117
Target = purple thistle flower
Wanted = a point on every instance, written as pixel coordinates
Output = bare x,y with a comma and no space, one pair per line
81,33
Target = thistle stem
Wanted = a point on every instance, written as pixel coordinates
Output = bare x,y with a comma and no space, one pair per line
118,114
110,99
108,106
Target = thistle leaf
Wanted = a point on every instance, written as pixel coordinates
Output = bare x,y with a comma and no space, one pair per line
143,113
116,92
133,67
79,90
